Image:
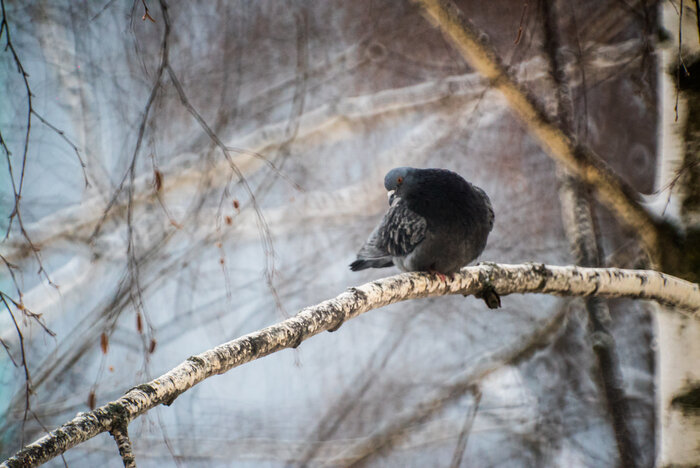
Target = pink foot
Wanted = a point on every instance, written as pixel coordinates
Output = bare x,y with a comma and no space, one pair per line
442,277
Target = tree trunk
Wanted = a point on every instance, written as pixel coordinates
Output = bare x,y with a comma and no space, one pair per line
678,370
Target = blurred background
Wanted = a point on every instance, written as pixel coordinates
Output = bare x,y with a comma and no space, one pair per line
234,155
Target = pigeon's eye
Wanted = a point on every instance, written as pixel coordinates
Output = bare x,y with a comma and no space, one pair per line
399,180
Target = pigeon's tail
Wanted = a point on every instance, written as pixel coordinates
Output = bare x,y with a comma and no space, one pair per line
363,263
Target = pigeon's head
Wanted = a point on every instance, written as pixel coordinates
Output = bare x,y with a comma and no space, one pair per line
397,180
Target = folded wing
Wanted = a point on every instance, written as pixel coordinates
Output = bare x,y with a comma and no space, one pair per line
399,232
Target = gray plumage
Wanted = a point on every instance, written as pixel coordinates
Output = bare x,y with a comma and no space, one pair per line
437,221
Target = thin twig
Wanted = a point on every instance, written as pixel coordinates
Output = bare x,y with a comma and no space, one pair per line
146,14
63,136
17,188
27,377
466,429
520,26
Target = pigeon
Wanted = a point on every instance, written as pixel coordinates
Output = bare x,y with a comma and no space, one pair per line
437,222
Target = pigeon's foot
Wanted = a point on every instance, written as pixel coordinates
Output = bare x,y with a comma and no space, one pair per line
490,296
441,276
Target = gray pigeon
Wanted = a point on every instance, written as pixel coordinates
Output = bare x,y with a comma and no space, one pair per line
437,222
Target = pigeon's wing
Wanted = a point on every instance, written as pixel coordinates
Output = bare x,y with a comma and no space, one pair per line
372,254
398,234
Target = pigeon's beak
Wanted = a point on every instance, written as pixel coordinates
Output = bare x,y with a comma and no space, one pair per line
391,196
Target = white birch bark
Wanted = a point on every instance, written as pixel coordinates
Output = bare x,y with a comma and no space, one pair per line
329,315
678,371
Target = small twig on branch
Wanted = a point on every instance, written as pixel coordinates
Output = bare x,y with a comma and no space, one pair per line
121,437
330,314
146,14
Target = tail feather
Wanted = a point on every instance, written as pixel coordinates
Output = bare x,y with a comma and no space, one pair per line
363,263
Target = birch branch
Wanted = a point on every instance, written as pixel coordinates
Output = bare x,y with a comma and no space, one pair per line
330,314
658,239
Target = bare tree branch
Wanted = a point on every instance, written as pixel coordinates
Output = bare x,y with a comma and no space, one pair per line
506,279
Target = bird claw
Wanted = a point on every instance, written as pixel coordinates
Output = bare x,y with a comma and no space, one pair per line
441,276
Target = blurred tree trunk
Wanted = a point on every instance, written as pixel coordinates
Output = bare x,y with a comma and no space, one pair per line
577,217
678,373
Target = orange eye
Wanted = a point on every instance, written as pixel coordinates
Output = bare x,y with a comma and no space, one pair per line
399,180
